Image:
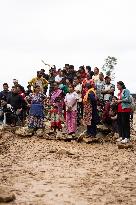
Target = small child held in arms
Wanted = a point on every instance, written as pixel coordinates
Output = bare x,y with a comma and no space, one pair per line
71,111
113,115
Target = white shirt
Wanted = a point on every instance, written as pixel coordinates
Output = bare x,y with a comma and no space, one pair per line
95,78
58,79
78,88
70,100
106,88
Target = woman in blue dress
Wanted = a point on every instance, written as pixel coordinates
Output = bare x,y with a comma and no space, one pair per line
36,113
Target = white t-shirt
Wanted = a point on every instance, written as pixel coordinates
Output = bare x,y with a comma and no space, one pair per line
70,99
95,78
106,88
78,88
58,79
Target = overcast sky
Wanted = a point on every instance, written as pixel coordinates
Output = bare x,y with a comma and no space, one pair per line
66,31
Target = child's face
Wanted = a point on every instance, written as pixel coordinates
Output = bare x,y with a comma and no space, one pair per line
113,99
71,89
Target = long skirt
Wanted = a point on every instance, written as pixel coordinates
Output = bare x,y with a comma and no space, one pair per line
36,122
71,121
87,113
36,116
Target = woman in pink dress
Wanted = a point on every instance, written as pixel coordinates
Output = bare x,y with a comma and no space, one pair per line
71,110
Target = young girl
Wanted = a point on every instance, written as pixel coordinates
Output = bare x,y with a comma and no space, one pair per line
113,115
55,118
71,111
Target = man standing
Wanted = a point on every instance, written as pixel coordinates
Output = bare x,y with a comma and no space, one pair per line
108,89
99,86
39,80
16,101
108,93
96,75
5,93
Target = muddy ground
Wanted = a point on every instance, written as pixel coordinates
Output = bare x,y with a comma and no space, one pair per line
49,172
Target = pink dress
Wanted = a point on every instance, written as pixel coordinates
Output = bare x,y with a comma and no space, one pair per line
71,114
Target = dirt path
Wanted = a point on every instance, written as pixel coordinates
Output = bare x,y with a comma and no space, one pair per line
41,172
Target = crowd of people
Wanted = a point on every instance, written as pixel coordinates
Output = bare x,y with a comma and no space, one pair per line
69,97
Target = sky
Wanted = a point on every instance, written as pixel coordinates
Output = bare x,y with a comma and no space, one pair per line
78,32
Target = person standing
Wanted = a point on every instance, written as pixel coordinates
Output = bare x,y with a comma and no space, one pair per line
39,80
124,110
71,111
59,77
46,77
16,102
99,86
5,93
85,82
36,113
95,77
57,98
78,90
90,114
108,92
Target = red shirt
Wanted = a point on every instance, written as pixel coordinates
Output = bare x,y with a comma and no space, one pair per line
120,109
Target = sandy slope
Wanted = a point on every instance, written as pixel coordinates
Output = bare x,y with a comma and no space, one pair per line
41,172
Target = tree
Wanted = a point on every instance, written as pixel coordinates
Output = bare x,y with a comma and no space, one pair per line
109,66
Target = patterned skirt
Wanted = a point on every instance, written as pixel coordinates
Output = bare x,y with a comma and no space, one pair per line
87,114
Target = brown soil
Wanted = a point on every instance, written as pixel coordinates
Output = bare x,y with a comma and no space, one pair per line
49,172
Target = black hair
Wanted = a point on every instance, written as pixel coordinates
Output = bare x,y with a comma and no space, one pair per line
91,73
5,84
28,86
71,67
78,77
71,84
96,68
121,84
21,88
64,72
115,97
88,68
81,67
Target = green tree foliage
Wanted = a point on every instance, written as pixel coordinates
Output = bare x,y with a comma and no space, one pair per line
109,66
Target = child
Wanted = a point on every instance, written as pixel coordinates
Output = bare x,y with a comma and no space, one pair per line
113,115
78,90
6,114
71,111
55,118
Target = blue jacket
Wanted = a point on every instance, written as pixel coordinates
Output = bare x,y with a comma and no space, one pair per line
126,99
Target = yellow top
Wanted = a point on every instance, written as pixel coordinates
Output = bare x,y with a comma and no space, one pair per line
42,82
87,93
